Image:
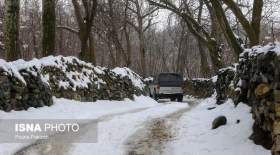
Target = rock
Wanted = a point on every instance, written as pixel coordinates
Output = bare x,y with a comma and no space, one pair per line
219,121
238,121
211,108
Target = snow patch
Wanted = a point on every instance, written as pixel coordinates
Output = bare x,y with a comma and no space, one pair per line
214,79
194,131
135,78
11,70
271,47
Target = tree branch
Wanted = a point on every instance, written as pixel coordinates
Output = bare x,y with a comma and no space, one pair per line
242,19
68,29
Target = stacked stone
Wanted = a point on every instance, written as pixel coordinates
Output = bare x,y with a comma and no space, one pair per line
225,84
200,88
32,84
256,81
259,73
113,86
116,87
17,95
37,93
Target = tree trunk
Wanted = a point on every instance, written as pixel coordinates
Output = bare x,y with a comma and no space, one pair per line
215,54
112,57
85,20
61,36
92,56
143,56
181,54
128,48
251,29
84,45
224,24
11,29
256,20
49,19
179,63
204,68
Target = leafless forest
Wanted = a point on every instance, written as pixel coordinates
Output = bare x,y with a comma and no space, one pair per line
193,37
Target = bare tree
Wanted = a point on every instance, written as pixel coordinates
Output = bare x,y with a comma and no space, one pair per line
127,34
252,28
200,32
204,67
111,16
219,13
143,21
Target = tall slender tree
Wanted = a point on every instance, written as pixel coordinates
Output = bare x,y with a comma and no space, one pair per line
48,41
11,29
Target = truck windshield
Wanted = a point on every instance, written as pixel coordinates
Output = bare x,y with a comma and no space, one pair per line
170,79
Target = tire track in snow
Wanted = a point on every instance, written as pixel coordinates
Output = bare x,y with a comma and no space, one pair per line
114,139
152,137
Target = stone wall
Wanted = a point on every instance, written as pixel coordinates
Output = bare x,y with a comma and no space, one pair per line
256,81
258,71
16,94
226,83
200,88
33,83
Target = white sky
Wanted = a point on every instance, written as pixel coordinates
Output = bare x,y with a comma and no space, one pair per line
162,18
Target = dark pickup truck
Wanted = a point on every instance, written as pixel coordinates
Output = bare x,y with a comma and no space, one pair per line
167,85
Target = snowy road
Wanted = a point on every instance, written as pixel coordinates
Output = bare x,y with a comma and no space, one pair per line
129,132
145,127
115,130
152,138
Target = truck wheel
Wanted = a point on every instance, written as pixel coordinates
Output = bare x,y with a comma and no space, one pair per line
180,98
173,99
155,96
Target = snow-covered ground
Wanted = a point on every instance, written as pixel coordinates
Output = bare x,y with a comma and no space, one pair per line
120,120
113,134
67,109
195,137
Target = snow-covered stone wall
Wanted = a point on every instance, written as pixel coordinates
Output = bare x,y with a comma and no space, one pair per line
200,88
225,84
33,83
258,71
20,90
256,81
